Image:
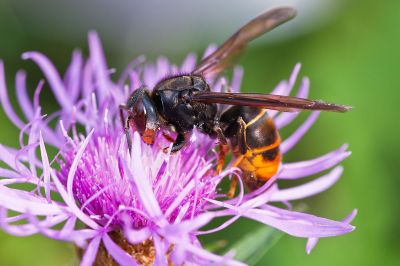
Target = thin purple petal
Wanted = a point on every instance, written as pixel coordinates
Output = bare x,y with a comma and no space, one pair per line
5,100
118,254
68,228
23,202
189,63
128,70
52,77
237,79
73,75
298,224
91,251
71,203
25,229
309,189
137,236
290,142
284,119
22,95
143,187
314,166
161,254
46,169
208,256
312,242
284,88
72,171
100,69
186,227
6,173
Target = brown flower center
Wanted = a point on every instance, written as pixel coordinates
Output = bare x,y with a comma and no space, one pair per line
143,253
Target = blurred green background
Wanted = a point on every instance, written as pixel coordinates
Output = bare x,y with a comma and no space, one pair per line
352,58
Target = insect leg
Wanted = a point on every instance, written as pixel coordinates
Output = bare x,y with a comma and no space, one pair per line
180,141
241,135
220,135
223,150
151,119
242,145
232,187
168,137
125,124
135,97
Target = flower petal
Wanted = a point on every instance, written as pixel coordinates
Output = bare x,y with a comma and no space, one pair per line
284,119
52,76
46,168
6,173
5,101
297,223
290,142
99,65
73,169
91,251
137,236
284,88
220,227
128,70
23,202
118,254
189,63
188,226
314,166
45,228
73,208
294,75
161,248
73,75
141,182
309,189
312,242
209,50
22,95
68,198
210,257
185,191
25,229
237,78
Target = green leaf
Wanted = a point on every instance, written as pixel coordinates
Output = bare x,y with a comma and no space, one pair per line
251,247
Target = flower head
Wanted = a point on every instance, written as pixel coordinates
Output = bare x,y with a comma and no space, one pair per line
145,206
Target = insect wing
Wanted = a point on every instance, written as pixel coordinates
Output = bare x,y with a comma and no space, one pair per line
226,53
268,101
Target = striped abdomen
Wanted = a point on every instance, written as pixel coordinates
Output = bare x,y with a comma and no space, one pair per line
261,158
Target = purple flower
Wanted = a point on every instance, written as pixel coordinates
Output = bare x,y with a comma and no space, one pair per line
148,200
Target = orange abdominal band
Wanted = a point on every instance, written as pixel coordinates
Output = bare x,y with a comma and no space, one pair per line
262,167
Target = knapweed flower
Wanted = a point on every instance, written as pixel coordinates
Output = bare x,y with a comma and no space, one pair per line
148,206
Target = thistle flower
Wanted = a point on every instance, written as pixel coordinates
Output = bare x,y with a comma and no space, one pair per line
147,206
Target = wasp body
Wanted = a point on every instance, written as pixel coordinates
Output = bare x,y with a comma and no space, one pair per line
185,102
255,143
